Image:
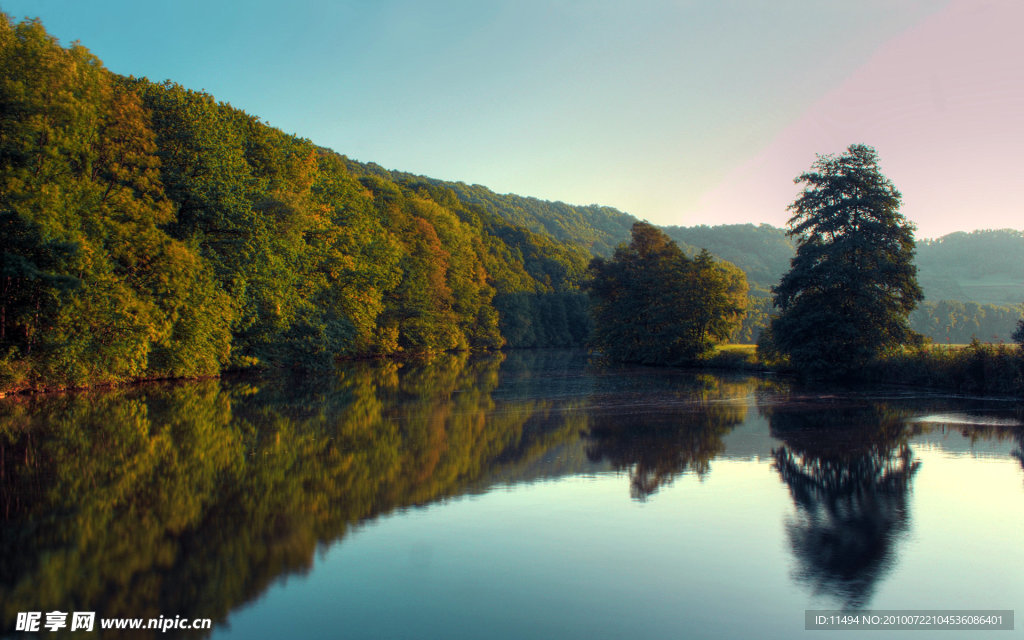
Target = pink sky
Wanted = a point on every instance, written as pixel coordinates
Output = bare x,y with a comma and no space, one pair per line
943,104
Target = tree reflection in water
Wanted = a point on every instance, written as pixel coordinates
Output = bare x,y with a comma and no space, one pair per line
849,470
192,499
682,432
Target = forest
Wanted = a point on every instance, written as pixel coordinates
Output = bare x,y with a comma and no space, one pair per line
972,282
150,231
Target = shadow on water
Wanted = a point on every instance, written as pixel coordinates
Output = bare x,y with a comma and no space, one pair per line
849,469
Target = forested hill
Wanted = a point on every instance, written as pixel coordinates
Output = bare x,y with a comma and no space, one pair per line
762,251
593,227
981,266
151,231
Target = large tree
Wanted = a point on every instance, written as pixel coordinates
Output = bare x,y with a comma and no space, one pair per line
853,281
652,304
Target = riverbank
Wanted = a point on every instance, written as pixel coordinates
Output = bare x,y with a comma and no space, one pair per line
973,368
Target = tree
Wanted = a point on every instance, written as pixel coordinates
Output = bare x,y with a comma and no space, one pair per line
652,304
853,282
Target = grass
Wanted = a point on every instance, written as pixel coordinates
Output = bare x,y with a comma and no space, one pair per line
972,368
963,368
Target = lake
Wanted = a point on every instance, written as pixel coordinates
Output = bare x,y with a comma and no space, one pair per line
525,495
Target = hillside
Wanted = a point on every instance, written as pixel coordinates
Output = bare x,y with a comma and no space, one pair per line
595,228
973,282
762,251
981,266
151,231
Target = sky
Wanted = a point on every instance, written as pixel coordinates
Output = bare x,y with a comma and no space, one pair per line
680,112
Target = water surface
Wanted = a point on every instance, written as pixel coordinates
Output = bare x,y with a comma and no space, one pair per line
533,495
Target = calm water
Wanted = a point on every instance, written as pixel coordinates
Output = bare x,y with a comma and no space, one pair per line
532,495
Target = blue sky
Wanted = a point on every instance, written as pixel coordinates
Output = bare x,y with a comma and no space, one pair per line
681,112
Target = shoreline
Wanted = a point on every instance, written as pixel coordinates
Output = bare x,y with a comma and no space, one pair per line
978,368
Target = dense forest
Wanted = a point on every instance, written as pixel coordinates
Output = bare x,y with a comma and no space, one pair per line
151,231
973,282
597,229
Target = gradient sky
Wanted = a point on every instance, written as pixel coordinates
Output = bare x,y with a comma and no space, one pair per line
678,112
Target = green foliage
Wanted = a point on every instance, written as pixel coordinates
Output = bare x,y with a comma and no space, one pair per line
531,320
949,321
151,231
594,228
735,357
653,305
763,252
755,320
853,282
976,368
94,290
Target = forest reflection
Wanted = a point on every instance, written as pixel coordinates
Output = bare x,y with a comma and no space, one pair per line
191,499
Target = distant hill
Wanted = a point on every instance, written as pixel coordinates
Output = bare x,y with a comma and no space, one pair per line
980,266
762,251
986,267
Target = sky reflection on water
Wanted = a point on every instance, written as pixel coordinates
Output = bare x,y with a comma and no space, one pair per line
536,495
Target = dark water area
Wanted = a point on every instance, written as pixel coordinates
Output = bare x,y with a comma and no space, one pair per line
531,494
